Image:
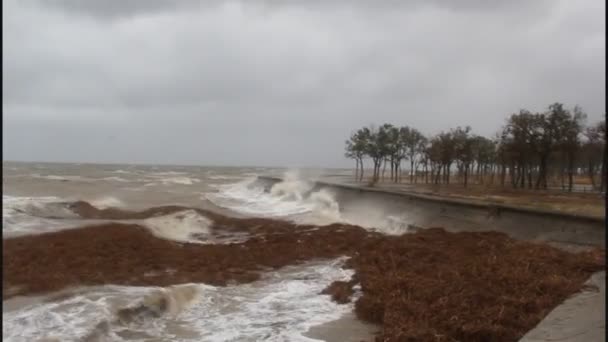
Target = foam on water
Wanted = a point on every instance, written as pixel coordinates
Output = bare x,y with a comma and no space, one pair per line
225,177
280,307
101,314
35,215
300,201
115,179
289,198
173,181
106,202
64,178
27,215
179,180
167,173
183,226
121,171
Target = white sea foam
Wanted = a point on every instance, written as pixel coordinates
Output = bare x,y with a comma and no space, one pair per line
106,202
167,173
299,200
280,307
82,317
289,198
26,215
224,177
173,181
64,178
183,226
122,171
115,179
179,180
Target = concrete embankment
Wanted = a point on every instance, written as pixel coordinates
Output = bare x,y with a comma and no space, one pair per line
561,229
580,318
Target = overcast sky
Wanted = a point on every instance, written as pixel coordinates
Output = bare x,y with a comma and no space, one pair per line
281,83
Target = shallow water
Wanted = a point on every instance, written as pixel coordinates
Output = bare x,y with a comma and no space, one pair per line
280,307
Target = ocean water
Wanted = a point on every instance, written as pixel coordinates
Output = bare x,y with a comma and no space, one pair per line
281,306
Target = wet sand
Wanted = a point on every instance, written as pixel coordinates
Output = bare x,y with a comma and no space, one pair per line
473,286
346,329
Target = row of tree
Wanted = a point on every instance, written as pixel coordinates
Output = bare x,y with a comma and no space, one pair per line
530,149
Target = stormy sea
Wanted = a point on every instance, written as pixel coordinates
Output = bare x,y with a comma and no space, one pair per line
97,253
282,305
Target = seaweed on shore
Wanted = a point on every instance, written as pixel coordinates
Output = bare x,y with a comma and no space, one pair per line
431,285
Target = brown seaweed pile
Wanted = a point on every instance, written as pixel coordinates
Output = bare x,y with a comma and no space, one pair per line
428,286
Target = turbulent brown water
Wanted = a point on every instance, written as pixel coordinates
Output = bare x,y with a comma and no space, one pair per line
242,261
281,306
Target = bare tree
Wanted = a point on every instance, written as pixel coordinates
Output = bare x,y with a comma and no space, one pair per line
543,146
356,149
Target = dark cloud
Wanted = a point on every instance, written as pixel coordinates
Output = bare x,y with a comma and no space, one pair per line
281,82
128,8
117,9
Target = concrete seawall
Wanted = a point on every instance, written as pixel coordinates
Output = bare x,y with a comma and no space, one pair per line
581,318
464,215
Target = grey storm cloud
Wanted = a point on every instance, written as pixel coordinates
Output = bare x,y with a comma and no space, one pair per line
281,82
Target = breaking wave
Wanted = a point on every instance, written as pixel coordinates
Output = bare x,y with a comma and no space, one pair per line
226,177
301,201
107,202
179,180
183,226
168,173
280,307
115,179
30,215
35,215
173,181
65,178
293,197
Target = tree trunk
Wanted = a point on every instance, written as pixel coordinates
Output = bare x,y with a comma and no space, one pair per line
438,174
542,173
375,175
361,173
397,170
570,171
562,178
411,171
466,173
604,170
383,168
591,173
